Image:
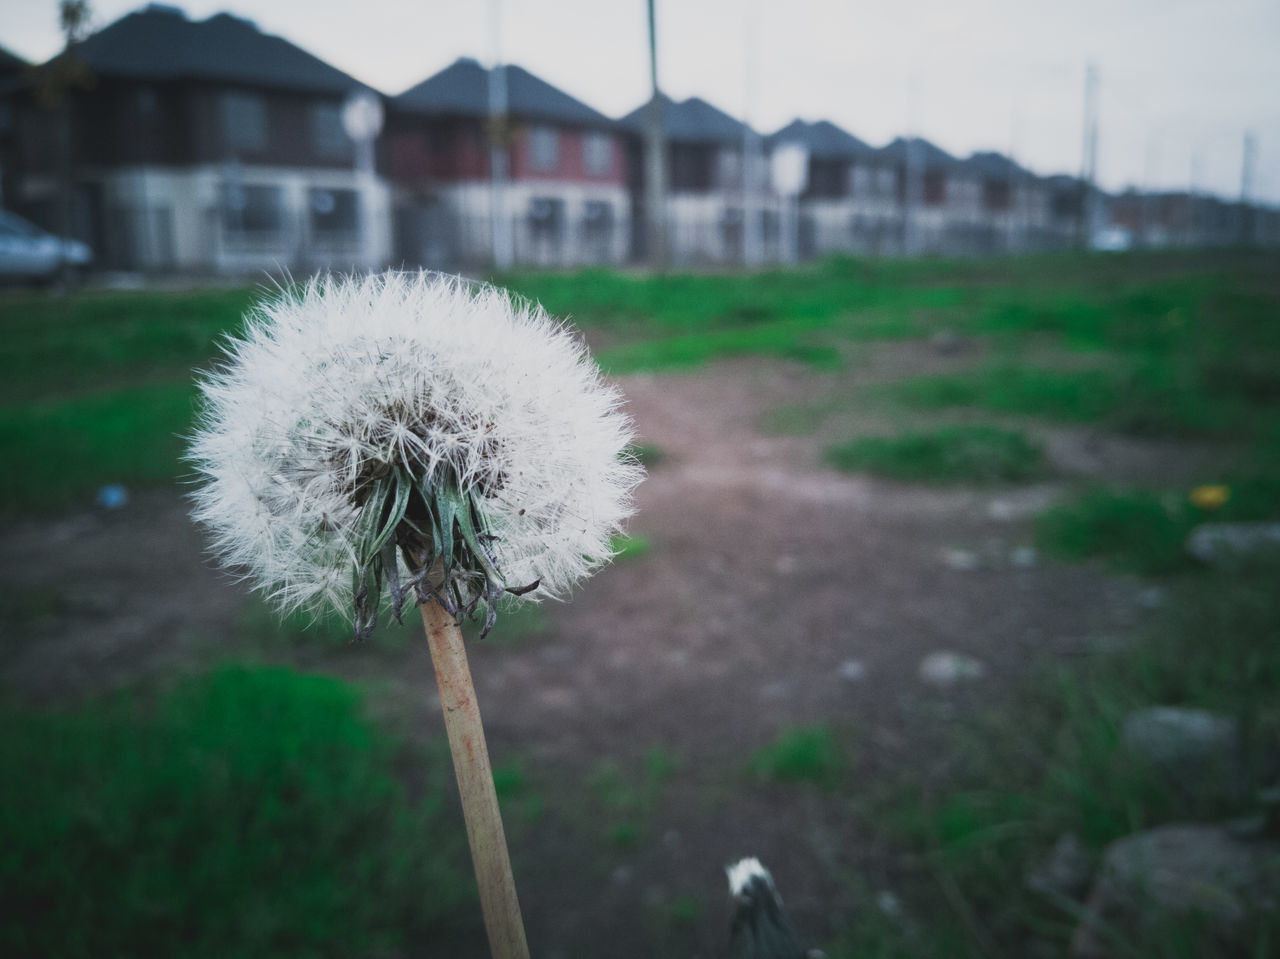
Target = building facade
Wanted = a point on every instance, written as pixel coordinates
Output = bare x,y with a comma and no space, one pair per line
560,198
198,146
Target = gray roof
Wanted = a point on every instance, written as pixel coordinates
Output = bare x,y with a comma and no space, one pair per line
989,163
10,62
824,139
160,43
927,154
691,120
463,89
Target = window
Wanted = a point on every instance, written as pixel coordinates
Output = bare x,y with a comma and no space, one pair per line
546,217
544,149
935,187
598,217
244,121
860,181
691,167
334,212
597,154
253,210
729,169
146,101
828,178
328,137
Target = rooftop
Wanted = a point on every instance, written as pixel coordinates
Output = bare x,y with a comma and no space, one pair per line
693,120
462,88
824,140
160,43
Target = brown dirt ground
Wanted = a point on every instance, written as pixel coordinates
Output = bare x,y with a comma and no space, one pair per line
767,572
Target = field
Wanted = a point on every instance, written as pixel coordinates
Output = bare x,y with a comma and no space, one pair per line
860,472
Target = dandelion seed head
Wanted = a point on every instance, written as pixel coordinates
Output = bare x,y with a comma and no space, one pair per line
344,393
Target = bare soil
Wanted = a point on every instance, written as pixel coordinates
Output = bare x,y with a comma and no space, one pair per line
776,593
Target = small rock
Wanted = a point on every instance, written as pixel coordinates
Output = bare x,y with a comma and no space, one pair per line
888,903
948,342
1024,557
962,560
1216,542
1153,597
1171,736
622,875
786,565
1177,869
852,670
946,669
1065,871
776,690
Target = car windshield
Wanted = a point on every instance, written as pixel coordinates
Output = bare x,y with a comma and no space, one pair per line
16,226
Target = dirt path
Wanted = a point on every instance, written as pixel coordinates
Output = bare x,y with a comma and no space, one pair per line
775,593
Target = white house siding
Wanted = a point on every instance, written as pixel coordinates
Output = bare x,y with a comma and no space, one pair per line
568,240
162,218
709,227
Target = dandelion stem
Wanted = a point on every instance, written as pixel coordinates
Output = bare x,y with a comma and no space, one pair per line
475,785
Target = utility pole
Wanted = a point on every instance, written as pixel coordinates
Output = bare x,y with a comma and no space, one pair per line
59,79
752,154
1194,238
655,158
1015,237
912,174
1247,229
499,139
1089,163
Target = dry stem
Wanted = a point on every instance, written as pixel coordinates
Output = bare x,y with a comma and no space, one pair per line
475,785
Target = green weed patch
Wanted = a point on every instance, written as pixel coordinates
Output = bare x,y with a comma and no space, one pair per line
960,454
1144,532
1051,762
251,812
804,754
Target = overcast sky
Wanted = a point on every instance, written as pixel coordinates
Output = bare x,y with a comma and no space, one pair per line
1180,80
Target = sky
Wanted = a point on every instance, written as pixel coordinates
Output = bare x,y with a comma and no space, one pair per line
1180,82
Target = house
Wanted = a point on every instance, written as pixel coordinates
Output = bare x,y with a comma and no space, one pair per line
563,200
12,70
938,198
850,198
201,146
707,203
1013,212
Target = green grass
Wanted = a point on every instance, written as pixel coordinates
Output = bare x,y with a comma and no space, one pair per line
1144,532
66,345
802,754
1051,762
248,812
624,799
958,454
630,547
1147,399
647,455
95,386
60,451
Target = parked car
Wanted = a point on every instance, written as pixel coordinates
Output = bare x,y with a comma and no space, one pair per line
29,253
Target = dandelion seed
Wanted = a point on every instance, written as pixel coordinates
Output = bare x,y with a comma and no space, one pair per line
438,438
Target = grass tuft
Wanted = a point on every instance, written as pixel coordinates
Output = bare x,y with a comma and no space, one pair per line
1052,762
957,454
803,754
1143,532
247,812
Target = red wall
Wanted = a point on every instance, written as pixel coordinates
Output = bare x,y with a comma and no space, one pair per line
571,165
417,149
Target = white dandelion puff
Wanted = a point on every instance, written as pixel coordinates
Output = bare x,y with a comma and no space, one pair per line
441,437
